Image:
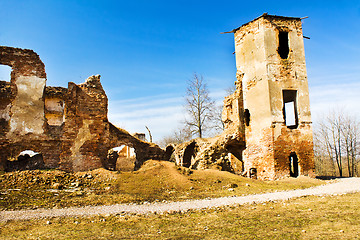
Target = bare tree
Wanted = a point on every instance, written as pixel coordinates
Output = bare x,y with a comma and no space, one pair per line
335,139
350,132
230,90
324,164
199,106
149,133
218,124
335,122
177,136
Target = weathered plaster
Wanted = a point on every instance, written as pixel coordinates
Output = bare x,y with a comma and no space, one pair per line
28,102
83,135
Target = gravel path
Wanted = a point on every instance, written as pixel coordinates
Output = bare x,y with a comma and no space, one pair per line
341,186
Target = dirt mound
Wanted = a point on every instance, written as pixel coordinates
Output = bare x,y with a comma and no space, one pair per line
98,174
168,169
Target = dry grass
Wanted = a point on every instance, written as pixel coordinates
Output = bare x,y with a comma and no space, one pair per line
155,181
335,217
125,164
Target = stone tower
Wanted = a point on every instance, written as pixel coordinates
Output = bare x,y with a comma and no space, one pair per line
271,70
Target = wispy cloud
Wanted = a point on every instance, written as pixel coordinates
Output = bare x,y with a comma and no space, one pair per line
164,113
342,95
161,113
336,78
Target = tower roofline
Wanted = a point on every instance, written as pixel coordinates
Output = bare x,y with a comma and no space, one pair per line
264,15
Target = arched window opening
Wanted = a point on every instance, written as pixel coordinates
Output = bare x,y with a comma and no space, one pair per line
169,154
294,165
121,158
235,158
189,155
5,73
26,160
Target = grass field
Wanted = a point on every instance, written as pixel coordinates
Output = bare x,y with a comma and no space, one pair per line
155,181
332,217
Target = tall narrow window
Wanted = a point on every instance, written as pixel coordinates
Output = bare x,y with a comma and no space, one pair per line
247,117
290,109
294,165
283,48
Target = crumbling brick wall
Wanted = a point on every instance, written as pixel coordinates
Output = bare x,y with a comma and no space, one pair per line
258,141
67,126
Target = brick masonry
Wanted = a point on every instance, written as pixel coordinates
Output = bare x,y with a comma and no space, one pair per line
67,126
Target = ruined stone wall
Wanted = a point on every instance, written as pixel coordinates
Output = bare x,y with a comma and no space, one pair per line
233,109
85,126
21,98
67,126
143,150
222,152
28,75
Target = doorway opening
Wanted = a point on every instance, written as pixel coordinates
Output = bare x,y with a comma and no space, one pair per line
169,154
122,158
253,173
235,158
294,165
189,155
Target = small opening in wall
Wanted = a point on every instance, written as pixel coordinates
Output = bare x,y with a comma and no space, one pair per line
169,154
283,48
235,158
294,165
247,117
253,173
290,109
121,158
5,73
189,155
26,160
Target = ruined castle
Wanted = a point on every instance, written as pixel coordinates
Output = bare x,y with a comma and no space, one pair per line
267,119
67,126
268,132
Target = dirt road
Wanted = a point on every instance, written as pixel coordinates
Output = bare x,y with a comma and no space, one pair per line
341,186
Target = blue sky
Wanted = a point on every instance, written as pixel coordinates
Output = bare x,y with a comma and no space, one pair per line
145,51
